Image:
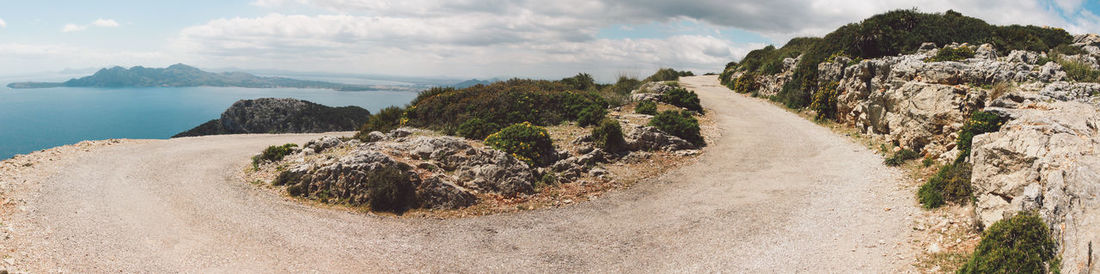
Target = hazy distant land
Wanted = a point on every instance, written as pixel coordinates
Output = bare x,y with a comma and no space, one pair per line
180,75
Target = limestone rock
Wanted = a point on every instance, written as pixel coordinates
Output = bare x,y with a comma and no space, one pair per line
651,139
1044,159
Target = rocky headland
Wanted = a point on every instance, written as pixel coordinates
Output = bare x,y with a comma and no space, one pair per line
272,115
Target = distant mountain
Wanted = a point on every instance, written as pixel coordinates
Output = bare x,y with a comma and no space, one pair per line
180,75
474,82
270,115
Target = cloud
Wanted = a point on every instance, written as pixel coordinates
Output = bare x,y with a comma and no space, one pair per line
47,57
103,23
528,37
3,24
457,44
107,23
73,28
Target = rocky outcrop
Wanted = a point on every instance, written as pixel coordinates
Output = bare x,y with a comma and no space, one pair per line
445,171
649,91
647,138
270,115
1046,160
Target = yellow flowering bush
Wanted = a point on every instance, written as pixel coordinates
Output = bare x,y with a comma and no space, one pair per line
525,141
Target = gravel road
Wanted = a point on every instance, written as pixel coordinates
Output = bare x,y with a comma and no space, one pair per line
775,193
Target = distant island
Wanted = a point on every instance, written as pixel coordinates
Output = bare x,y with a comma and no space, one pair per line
180,75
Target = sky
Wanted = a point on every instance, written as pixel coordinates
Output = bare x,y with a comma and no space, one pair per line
451,38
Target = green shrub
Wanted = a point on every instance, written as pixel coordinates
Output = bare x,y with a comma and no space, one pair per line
385,120
477,129
684,98
900,157
646,107
1067,49
591,115
680,124
952,54
951,183
609,136
273,154
667,74
503,103
525,141
1078,71
746,83
980,122
582,81
1019,244
619,93
824,102
390,190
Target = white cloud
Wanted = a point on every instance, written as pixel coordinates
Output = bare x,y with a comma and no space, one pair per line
459,45
47,57
73,28
103,23
3,24
107,23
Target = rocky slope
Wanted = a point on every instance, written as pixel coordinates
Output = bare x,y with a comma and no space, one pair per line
271,115
1044,159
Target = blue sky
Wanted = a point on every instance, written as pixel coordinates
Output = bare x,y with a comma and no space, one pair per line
456,38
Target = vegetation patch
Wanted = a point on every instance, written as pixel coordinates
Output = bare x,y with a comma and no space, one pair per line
668,74
824,102
900,157
888,34
1078,71
273,154
980,122
680,124
1019,244
950,184
646,107
390,190
591,115
682,97
525,141
477,129
609,136
539,102
385,120
745,84
952,54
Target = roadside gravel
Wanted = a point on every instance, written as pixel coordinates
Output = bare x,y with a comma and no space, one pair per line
775,193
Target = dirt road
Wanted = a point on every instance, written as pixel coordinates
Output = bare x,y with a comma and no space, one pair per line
775,193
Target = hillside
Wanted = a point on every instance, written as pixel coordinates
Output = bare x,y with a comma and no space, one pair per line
270,115
180,75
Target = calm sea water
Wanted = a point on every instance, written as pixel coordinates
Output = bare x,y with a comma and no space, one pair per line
35,119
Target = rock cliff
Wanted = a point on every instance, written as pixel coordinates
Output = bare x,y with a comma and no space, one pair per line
270,115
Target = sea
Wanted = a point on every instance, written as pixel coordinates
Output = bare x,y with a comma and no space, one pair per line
36,119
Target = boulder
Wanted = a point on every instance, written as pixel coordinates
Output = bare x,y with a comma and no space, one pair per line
440,192
320,145
649,138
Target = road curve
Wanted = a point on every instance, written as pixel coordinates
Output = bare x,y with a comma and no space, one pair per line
775,193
